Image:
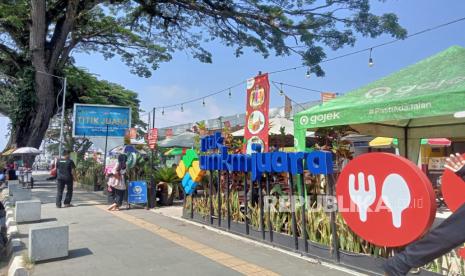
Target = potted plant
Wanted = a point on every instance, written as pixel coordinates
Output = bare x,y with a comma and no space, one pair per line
168,184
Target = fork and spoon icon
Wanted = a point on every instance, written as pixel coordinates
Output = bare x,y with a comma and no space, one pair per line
395,194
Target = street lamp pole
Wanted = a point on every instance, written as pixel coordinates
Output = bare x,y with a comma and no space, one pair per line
60,147
60,150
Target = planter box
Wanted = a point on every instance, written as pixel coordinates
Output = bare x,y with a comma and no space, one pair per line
359,262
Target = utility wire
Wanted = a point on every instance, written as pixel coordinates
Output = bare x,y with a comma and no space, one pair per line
323,61
298,87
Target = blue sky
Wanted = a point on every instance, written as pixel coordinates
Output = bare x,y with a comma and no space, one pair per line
184,77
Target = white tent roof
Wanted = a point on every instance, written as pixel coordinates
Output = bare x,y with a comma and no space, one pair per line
275,128
184,140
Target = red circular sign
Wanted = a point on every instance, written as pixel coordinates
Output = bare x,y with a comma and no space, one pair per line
453,189
385,199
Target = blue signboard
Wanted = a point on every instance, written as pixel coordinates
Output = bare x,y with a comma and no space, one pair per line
137,192
95,120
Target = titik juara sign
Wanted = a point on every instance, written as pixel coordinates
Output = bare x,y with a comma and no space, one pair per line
257,163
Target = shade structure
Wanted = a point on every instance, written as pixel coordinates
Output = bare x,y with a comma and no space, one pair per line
8,152
26,151
184,140
383,142
436,142
123,150
414,103
278,126
175,151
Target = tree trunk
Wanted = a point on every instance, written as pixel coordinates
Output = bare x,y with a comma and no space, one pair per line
31,131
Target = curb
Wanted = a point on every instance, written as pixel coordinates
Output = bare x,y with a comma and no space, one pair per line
14,245
274,248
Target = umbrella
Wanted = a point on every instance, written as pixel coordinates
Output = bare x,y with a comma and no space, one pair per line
26,151
123,149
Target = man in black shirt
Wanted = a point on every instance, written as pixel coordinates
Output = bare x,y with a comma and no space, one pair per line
65,177
442,239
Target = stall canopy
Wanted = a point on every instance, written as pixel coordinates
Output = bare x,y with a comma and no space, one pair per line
416,102
276,124
184,140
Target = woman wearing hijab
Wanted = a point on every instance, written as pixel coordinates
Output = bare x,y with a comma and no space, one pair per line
116,183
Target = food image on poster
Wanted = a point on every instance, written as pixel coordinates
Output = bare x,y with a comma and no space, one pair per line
256,122
257,97
254,140
256,115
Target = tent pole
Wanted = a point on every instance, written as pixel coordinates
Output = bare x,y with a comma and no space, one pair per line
406,142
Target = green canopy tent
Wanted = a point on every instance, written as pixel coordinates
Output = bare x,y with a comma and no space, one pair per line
416,102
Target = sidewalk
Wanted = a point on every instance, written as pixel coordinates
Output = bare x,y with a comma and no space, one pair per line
141,242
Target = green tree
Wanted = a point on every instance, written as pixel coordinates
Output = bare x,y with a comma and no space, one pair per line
38,37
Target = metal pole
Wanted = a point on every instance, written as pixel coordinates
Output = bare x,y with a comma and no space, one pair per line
294,221
60,149
270,226
152,179
105,151
211,196
335,243
260,195
219,198
192,204
304,212
246,204
228,209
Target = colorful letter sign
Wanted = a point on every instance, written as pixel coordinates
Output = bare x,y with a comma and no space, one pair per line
256,116
385,199
101,120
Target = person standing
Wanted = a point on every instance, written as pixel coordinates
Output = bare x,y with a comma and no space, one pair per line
65,177
442,239
116,183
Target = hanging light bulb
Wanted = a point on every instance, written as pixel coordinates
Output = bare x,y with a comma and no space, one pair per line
182,108
163,112
281,92
229,93
308,74
203,102
370,60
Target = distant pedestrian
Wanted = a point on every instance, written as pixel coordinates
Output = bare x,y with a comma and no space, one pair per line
65,177
116,184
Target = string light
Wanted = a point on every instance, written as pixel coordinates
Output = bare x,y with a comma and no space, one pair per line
281,92
203,102
370,60
182,108
229,93
308,74
163,112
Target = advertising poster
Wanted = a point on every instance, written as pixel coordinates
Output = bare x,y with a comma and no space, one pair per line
256,117
152,138
92,120
137,192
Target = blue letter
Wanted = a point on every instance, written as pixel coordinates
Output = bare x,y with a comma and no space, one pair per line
279,162
320,162
296,162
204,162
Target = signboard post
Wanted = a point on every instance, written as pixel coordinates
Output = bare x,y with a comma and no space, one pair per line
137,192
97,121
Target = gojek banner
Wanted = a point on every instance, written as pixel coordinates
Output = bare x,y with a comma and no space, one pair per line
256,116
